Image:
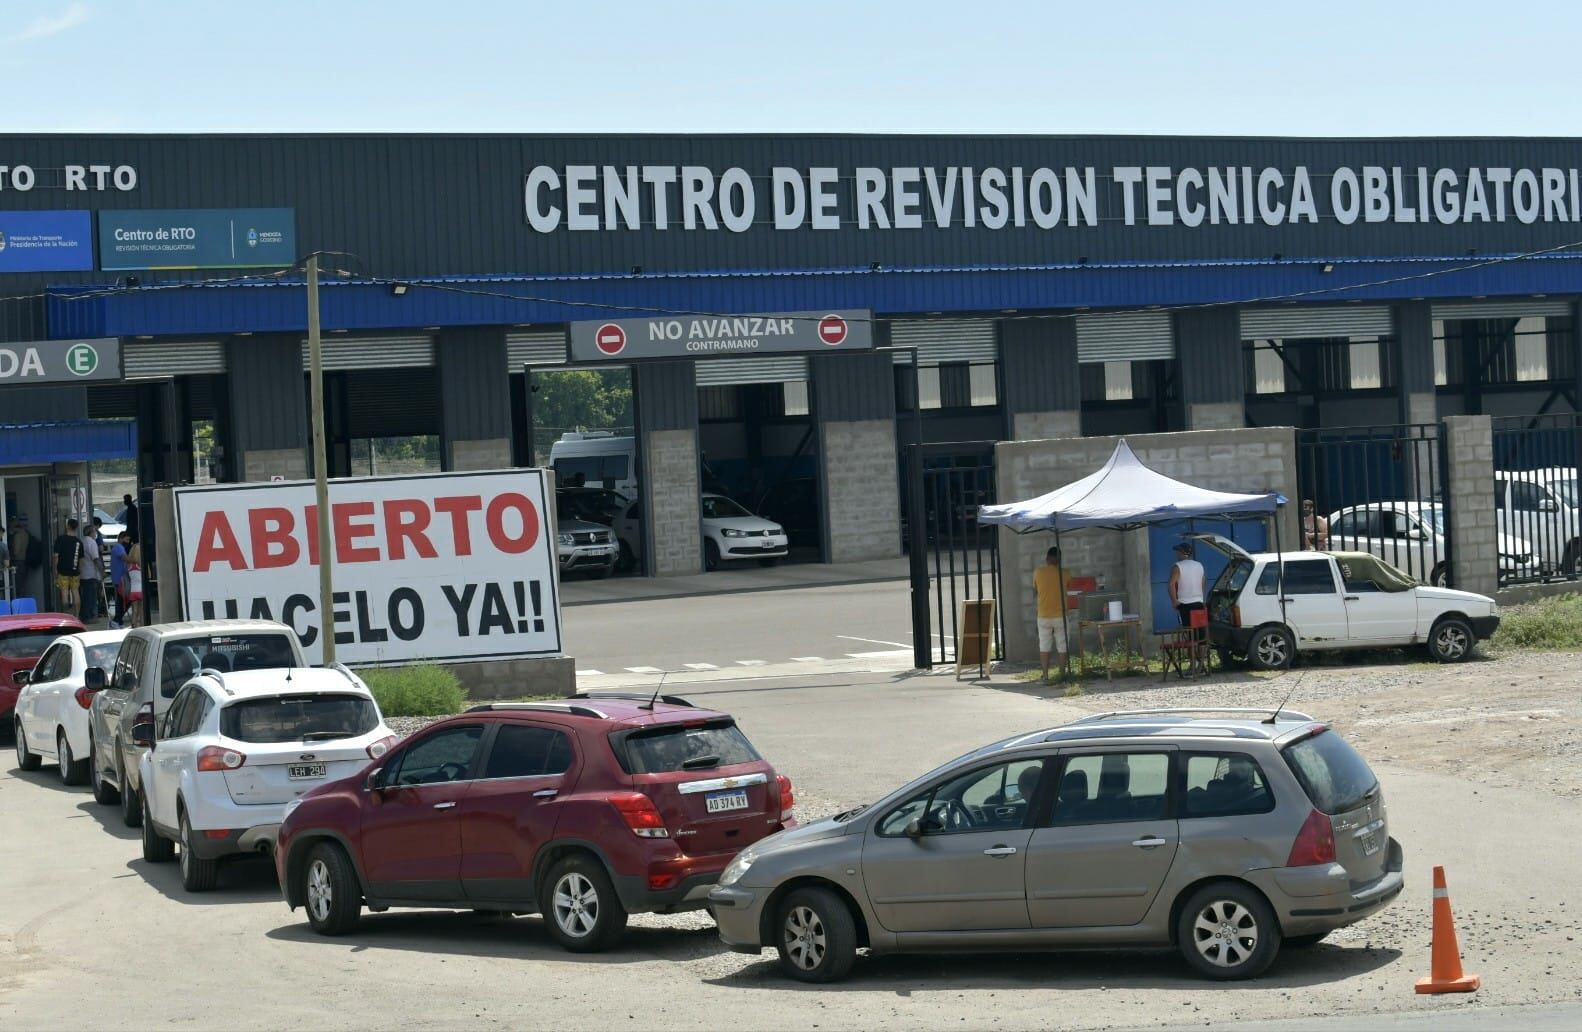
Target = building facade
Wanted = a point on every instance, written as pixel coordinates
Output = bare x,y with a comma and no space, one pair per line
1010,287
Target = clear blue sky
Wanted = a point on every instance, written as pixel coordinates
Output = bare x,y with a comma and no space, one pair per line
1334,68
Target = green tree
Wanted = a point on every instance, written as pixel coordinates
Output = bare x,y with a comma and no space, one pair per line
597,399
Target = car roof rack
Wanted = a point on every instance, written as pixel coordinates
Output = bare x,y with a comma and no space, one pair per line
1177,711
674,700
546,707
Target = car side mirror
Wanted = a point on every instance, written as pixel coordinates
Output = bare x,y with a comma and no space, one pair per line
22,677
143,734
93,679
914,829
371,782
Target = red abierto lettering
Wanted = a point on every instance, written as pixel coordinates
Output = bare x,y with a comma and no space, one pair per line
217,544
495,521
270,532
310,520
458,507
406,522
347,533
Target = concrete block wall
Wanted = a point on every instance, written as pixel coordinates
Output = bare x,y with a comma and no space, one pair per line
1247,460
675,531
491,453
1474,526
862,494
268,463
1043,426
1219,415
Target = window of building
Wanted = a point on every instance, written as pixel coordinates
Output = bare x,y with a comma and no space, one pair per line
794,398
1268,368
1531,346
1118,381
1441,365
1364,365
1531,349
378,456
928,387
980,382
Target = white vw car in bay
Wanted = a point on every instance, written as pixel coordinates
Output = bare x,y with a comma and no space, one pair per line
730,533
234,751
53,707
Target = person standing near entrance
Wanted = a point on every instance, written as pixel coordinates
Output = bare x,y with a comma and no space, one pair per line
123,541
1315,528
68,568
128,516
1186,584
1049,584
90,573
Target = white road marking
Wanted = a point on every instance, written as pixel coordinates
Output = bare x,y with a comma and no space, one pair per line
876,641
896,654
807,659
700,666
590,673
643,670
751,662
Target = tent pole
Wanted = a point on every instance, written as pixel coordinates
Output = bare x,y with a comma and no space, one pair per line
1279,561
1065,624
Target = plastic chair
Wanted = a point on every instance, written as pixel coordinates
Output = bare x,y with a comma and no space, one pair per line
24,606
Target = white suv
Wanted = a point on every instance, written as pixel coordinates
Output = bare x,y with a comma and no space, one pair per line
234,749
1335,600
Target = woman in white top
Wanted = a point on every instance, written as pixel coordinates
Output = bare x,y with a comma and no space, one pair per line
1186,583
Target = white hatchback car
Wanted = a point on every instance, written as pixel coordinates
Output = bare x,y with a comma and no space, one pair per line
729,532
53,708
1331,601
234,750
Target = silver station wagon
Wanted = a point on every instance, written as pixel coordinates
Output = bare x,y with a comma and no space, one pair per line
1225,833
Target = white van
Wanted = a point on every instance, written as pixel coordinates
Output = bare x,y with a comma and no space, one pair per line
595,458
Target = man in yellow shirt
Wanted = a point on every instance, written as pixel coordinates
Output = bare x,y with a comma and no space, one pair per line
1049,582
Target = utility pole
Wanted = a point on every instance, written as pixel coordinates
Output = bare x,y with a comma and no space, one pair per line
321,484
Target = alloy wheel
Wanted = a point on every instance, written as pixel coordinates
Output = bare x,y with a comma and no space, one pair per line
1225,933
1451,641
186,849
1272,650
576,905
21,745
320,895
805,938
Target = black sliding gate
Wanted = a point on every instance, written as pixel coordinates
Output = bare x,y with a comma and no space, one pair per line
1535,497
953,557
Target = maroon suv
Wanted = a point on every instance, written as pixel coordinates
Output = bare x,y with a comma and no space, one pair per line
585,811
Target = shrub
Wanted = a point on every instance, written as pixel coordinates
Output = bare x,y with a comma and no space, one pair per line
1549,623
415,691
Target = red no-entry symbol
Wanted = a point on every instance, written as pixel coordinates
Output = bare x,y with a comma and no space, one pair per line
611,339
832,329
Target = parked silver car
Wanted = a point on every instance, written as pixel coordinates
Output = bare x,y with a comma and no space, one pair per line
1222,832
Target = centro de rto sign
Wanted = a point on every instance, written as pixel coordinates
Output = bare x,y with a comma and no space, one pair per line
694,197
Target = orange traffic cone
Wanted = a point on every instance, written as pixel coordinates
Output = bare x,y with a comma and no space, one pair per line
1447,976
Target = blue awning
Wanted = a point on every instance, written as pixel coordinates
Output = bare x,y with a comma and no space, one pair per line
84,440
278,304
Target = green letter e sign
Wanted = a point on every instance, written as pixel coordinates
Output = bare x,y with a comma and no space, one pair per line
82,359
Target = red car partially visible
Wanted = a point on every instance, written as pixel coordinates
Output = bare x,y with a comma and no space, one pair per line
23,640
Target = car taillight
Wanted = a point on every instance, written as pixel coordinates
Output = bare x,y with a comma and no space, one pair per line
1235,616
1315,843
84,698
217,757
787,796
640,814
382,746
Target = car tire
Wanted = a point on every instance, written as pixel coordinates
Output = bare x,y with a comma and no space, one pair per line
131,805
72,770
330,892
1227,931
197,874
104,793
1451,640
711,555
1271,648
26,759
1440,577
580,906
157,849
626,562
1302,942
815,936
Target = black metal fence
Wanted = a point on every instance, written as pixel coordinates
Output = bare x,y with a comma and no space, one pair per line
953,557
1535,497
1380,490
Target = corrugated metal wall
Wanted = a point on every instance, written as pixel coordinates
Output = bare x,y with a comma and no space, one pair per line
666,396
852,387
268,394
474,392
1208,355
1414,331
1039,365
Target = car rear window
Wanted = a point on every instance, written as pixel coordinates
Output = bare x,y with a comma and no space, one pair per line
295,718
1334,777
673,747
28,644
1234,576
103,656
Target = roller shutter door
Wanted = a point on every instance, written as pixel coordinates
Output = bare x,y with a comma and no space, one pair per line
1124,337
150,359
1328,321
721,372
944,341
394,352
1501,309
534,348
392,403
